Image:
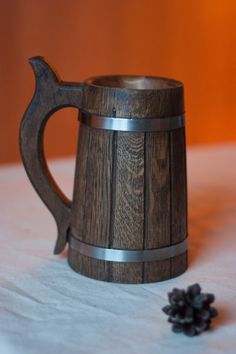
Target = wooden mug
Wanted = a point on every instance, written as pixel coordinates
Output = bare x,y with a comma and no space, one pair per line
127,221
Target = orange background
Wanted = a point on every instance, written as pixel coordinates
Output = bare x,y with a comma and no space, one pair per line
190,40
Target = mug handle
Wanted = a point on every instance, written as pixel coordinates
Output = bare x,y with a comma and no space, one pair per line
50,95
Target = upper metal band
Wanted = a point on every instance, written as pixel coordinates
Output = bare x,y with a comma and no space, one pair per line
132,124
120,255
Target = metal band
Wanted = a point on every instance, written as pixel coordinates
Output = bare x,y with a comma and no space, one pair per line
120,255
132,124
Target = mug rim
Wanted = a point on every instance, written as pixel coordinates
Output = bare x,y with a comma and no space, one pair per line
133,82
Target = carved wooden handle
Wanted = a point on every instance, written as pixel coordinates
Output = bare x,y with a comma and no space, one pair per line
50,95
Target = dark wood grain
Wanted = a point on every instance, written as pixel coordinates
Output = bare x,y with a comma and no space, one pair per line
157,203
134,103
128,208
179,264
92,205
178,197
90,267
79,193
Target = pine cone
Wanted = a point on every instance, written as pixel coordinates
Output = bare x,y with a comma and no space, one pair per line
190,311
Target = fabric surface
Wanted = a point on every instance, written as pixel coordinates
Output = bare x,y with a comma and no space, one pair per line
47,308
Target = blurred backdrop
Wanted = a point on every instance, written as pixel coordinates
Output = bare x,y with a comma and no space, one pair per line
191,40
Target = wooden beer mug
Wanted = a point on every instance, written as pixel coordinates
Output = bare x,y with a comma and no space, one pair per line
127,221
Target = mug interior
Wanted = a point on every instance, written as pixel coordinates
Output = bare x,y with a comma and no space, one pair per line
134,82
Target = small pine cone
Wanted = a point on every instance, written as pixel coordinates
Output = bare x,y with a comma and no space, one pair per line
190,311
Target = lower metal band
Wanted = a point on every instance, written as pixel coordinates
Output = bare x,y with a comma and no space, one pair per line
120,255
132,124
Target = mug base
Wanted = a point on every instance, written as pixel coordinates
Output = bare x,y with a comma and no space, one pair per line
128,273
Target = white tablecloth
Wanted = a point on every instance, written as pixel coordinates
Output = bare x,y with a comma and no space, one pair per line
48,308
